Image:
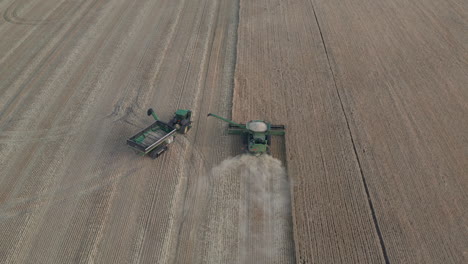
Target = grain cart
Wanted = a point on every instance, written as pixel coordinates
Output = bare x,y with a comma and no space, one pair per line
154,140
256,134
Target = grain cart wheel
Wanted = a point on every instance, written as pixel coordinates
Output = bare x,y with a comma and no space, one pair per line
157,152
163,149
153,154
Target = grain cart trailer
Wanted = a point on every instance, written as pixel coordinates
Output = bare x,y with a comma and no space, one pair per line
155,139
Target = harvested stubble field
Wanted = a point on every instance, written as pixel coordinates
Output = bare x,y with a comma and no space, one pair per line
373,168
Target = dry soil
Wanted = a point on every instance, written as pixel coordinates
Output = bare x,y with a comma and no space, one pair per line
373,168
76,80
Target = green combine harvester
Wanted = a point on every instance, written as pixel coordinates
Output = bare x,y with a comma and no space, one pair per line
154,140
256,134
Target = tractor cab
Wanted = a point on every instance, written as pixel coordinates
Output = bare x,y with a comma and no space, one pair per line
182,114
182,120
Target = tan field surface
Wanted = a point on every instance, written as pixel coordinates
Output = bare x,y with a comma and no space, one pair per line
373,167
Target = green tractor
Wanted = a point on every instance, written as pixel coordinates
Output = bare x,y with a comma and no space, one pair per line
182,120
155,139
256,134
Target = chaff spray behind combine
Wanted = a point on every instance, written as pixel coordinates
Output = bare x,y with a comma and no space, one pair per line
256,134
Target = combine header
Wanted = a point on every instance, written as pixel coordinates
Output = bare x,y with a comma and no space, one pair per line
154,140
256,134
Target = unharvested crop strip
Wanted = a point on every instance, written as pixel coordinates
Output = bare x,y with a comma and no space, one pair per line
371,206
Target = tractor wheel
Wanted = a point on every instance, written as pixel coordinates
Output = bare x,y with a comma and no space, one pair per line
185,129
268,138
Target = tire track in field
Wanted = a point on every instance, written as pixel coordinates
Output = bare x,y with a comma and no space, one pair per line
111,159
43,64
206,202
11,14
85,63
99,169
106,201
64,129
129,101
186,73
19,137
62,100
195,160
44,190
36,35
10,179
191,48
26,33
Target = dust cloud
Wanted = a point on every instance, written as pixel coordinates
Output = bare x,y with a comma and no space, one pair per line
263,208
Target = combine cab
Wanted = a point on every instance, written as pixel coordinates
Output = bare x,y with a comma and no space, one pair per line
155,139
256,134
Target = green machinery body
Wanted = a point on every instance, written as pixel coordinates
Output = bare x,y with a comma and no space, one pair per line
256,134
154,140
